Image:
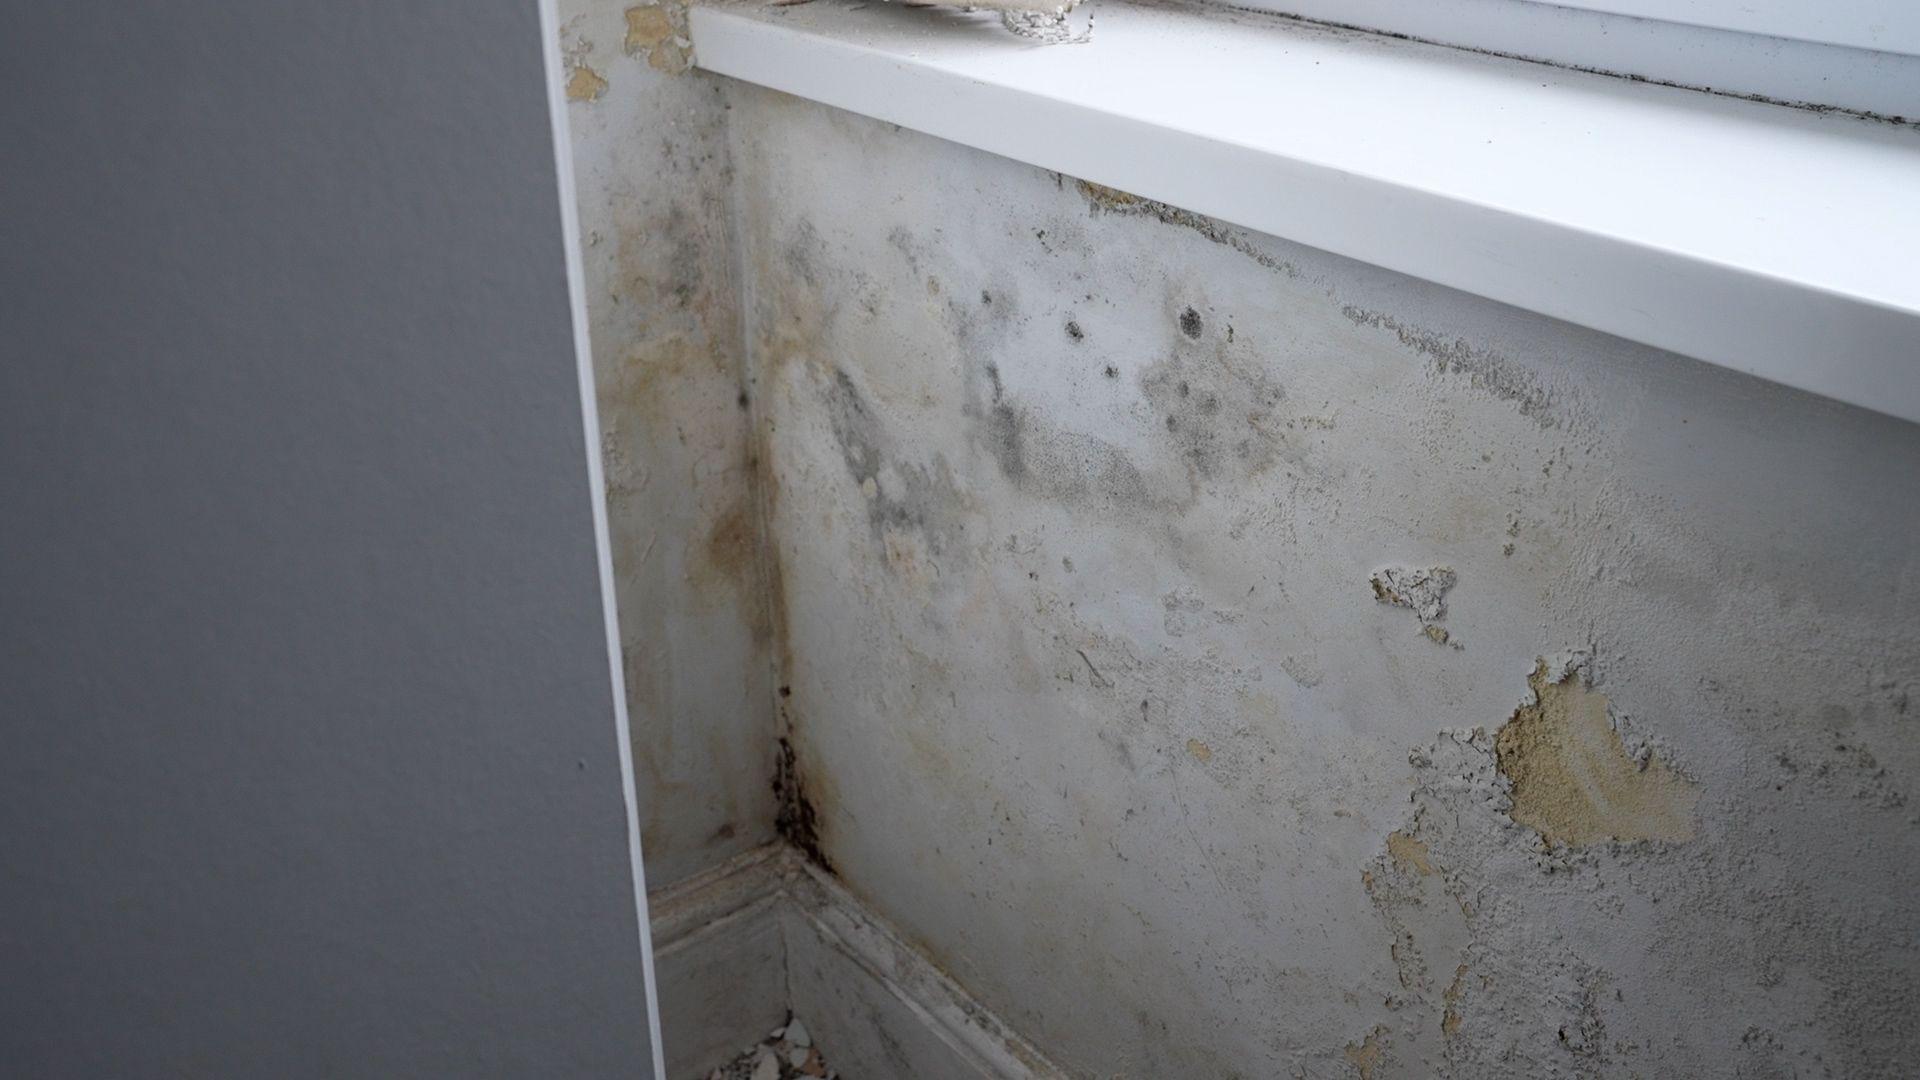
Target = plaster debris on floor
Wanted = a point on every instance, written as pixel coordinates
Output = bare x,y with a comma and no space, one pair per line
787,1053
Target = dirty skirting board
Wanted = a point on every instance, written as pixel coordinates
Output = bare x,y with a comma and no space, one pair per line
738,946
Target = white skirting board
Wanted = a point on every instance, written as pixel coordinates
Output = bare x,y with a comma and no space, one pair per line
736,947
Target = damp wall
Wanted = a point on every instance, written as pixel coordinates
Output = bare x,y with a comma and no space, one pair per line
1227,659
652,180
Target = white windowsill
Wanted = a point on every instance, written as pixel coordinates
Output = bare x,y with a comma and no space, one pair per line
1774,241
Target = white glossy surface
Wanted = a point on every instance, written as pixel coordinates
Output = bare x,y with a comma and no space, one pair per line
1768,240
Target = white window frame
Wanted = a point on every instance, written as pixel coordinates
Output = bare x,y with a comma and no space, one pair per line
1856,55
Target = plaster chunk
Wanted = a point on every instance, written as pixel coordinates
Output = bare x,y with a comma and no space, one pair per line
1573,780
1422,591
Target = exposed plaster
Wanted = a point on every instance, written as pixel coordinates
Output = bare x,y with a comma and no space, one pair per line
1572,777
659,32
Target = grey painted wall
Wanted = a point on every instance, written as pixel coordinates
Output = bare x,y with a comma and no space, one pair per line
1078,505
310,761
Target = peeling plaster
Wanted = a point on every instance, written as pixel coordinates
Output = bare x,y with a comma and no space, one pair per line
585,84
1573,779
659,32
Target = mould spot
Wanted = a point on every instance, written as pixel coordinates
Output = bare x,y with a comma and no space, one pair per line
1222,412
914,511
1074,331
1051,462
796,819
1190,323
1573,780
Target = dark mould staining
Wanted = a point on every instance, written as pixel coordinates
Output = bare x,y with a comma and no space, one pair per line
1112,372
1074,331
1005,433
1221,412
1105,200
741,400
1052,462
1190,323
1485,369
986,297
786,691
920,498
796,819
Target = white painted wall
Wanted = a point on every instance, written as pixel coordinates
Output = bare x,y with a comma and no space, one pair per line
1092,696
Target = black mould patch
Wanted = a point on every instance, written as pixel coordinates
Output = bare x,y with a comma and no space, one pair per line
1221,414
1074,331
901,496
1106,200
1044,460
1190,323
796,818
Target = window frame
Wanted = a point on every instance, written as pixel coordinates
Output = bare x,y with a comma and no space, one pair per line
1790,51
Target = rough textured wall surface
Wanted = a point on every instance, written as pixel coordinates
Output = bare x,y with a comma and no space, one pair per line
1231,660
650,160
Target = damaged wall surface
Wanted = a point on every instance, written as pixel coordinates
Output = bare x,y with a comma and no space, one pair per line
650,161
1227,659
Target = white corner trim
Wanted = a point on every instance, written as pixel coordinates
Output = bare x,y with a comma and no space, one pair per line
976,1042
1775,241
930,1027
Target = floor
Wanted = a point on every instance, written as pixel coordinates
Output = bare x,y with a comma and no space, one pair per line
787,1053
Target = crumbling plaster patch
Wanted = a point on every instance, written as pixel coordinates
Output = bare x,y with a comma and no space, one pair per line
1423,591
